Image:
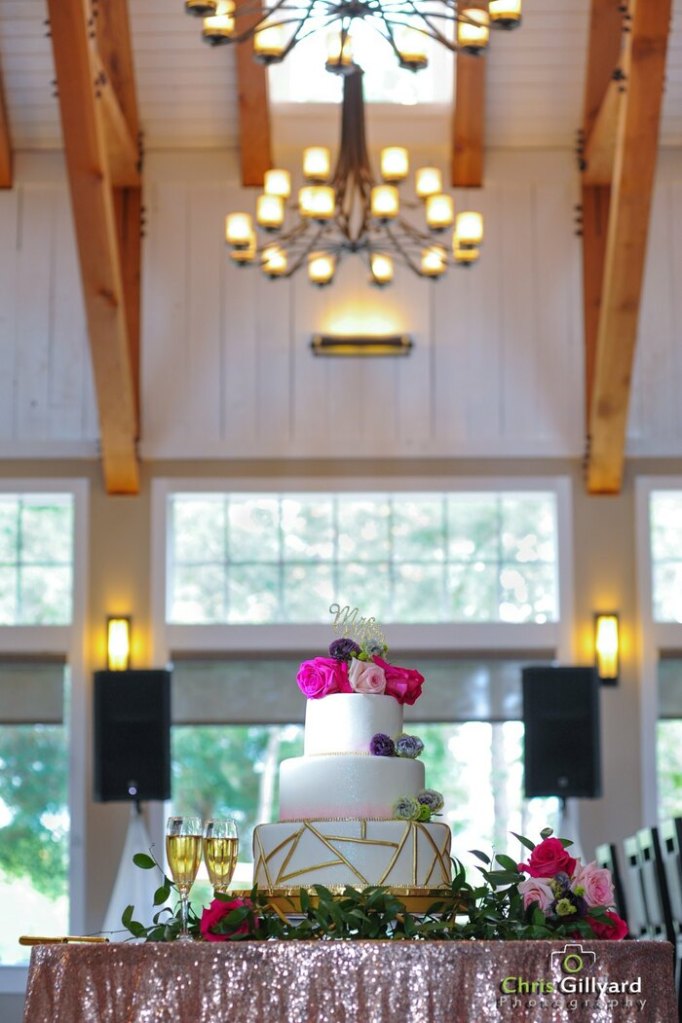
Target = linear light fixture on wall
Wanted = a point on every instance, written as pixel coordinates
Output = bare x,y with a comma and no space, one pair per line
352,345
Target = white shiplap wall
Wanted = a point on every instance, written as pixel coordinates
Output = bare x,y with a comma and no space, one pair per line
226,369
46,393
497,364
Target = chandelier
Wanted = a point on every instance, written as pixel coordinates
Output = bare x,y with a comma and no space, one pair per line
404,24
347,211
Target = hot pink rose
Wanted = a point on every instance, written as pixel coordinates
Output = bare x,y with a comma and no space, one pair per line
405,684
323,676
215,913
596,884
548,859
606,932
536,889
366,677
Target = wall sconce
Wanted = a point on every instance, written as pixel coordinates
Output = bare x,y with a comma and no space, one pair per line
361,345
118,642
607,647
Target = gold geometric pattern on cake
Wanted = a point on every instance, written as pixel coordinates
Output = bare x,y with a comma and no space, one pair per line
279,877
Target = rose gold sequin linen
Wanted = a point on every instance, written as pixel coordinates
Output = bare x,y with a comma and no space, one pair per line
341,982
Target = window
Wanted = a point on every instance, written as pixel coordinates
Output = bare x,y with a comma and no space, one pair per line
269,558
42,543
36,559
34,810
666,555
302,77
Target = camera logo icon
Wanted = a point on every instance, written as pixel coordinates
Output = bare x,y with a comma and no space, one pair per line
573,958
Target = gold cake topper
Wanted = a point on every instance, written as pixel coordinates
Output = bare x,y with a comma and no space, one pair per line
348,622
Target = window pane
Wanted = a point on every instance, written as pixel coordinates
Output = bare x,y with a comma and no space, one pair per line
408,557
199,525
418,533
34,829
364,529
254,529
669,768
419,592
665,526
36,559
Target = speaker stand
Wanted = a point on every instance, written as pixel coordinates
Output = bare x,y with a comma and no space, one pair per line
569,825
133,886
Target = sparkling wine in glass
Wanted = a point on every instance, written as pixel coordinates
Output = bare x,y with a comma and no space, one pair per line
183,851
221,846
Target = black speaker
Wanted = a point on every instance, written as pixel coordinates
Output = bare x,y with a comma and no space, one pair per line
132,735
562,754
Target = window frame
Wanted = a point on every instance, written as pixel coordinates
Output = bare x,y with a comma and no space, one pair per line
655,638
469,636
67,641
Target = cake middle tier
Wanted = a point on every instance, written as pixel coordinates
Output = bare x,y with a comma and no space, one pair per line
346,785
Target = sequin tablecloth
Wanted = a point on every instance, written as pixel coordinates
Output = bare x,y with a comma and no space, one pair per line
352,982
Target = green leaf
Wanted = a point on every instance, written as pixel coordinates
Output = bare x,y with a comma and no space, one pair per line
507,862
526,841
143,861
480,856
162,895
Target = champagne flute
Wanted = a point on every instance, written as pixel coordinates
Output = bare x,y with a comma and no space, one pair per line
183,851
221,845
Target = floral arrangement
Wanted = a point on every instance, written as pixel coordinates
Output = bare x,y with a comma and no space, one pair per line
421,807
564,890
354,668
512,902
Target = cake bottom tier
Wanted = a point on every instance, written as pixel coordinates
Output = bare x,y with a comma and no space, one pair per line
405,854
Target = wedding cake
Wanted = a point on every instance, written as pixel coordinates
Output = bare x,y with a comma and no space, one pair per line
353,808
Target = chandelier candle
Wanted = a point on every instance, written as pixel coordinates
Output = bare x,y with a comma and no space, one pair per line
348,211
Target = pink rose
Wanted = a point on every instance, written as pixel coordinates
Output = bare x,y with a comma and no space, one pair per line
216,912
536,889
596,884
404,684
323,676
606,932
366,677
548,859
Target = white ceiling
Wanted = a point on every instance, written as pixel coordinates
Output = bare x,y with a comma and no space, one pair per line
187,91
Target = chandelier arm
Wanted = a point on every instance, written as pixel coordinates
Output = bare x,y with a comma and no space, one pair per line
403,253
432,31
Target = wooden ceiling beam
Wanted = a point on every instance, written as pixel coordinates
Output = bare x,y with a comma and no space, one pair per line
255,138
97,237
122,146
6,177
604,53
600,147
643,65
468,120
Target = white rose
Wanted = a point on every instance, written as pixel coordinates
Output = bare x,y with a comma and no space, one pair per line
366,677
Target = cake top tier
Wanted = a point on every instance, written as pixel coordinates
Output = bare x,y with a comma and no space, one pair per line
347,723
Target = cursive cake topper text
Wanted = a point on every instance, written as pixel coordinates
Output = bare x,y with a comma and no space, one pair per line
348,622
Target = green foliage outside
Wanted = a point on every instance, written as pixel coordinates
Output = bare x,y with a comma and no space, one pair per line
34,797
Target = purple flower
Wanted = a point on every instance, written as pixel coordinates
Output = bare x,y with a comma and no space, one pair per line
408,746
343,649
381,745
432,799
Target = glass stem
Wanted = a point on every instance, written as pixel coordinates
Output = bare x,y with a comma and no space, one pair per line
184,912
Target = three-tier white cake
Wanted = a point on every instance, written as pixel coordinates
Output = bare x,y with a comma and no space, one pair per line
338,802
